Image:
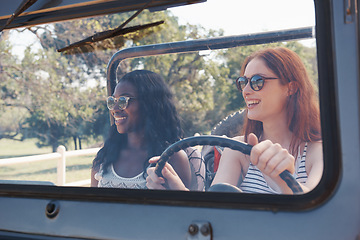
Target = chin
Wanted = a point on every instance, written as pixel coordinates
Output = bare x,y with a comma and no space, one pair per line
253,116
120,130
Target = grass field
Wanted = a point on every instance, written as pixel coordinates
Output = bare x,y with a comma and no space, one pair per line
77,168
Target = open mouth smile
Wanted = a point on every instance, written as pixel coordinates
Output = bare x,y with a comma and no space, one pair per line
252,103
119,120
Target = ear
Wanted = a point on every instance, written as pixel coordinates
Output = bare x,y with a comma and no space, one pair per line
292,88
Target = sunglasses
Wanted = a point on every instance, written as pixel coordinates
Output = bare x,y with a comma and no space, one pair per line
122,102
256,82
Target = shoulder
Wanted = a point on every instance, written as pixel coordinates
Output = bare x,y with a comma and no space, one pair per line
314,148
179,156
314,153
314,164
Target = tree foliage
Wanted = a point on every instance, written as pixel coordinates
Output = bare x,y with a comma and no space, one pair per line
59,97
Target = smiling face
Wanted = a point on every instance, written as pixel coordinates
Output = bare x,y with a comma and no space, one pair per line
270,101
127,120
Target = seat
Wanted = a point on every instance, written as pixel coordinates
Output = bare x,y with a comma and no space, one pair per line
230,126
198,171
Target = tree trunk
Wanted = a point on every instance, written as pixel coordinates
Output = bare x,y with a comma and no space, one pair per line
75,143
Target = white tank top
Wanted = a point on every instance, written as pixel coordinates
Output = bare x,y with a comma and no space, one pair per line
112,180
254,181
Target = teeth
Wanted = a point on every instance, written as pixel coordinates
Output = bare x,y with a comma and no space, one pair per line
120,118
250,102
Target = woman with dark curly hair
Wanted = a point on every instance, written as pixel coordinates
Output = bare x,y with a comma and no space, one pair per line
146,123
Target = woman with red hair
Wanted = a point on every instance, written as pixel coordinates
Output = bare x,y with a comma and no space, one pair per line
282,124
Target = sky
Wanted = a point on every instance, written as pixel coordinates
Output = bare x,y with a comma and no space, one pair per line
235,17
238,17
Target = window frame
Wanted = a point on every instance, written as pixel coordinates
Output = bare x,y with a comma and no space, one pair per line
316,197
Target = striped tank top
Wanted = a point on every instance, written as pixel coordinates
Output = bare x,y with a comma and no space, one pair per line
254,181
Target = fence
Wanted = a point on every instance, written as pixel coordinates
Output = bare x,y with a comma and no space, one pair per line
60,155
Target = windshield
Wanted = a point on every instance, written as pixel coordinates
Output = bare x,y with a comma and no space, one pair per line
59,126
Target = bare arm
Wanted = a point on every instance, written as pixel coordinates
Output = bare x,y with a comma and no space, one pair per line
180,162
230,166
94,182
314,166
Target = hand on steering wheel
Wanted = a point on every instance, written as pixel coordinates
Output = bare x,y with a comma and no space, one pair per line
223,142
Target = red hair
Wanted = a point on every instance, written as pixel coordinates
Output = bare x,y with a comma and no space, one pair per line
303,114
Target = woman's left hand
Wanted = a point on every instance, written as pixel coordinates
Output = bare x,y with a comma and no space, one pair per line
153,181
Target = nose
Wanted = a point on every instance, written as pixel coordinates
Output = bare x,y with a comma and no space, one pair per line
116,108
113,111
247,89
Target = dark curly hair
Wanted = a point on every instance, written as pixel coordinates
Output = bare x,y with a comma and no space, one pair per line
157,109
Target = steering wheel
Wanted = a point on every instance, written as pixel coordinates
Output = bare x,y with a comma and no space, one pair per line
223,142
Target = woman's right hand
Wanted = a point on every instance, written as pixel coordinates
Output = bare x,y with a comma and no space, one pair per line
271,159
170,178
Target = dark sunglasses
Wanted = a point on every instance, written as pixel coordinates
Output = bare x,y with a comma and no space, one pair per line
122,102
256,82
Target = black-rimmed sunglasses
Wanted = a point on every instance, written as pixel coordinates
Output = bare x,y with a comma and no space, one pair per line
122,102
256,82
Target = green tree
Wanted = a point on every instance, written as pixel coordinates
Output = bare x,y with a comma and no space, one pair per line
62,96
183,72
10,119
186,73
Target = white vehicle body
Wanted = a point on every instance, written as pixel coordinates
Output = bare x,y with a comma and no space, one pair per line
330,211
